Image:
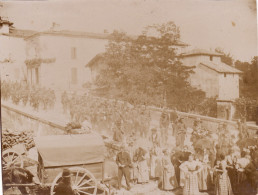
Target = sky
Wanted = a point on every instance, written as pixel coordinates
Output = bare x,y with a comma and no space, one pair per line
228,24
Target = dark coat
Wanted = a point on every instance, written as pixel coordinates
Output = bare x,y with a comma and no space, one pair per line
63,188
124,159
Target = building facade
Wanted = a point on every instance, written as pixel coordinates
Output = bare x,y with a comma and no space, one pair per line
215,78
63,56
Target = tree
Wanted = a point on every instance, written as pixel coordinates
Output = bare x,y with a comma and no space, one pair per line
247,104
145,70
226,58
249,81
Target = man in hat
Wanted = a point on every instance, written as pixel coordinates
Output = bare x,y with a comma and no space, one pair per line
64,187
123,161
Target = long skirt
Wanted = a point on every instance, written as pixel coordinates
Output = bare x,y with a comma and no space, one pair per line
155,167
169,181
134,172
180,140
204,178
191,184
143,174
222,184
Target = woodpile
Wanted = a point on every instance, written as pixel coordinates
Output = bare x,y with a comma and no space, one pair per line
11,138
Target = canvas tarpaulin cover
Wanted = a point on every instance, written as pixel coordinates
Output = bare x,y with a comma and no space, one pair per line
62,150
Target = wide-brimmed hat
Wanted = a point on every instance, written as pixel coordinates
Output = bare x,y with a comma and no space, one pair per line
66,173
165,150
153,129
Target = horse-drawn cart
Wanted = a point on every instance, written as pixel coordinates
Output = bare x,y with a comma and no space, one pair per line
82,154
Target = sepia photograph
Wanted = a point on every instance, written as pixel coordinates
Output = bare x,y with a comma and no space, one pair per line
129,97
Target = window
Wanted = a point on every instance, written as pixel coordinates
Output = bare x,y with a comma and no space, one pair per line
225,74
73,53
211,58
37,75
74,76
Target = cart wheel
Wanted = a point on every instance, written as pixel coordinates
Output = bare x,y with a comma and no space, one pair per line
83,182
11,159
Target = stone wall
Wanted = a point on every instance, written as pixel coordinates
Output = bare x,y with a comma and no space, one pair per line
21,121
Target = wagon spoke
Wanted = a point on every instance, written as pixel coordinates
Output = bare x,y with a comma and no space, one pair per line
15,159
82,184
84,192
77,173
12,157
85,188
81,178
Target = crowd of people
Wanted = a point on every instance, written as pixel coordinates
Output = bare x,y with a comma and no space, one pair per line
24,94
103,113
174,154
197,159
200,160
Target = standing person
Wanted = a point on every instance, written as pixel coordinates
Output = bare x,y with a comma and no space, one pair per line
155,137
222,181
155,163
119,135
64,187
169,181
65,100
123,162
143,168
190,169
133,155
181,131
164,123
203,175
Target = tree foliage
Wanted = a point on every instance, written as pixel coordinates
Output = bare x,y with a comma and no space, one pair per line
145,69
247,104
226,58
249,80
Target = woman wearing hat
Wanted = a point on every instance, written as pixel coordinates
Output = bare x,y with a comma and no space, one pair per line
64,187
169,181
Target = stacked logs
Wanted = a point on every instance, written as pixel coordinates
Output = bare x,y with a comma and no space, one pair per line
12,138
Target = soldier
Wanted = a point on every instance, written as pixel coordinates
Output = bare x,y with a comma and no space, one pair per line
181,131
164,123
119,135
65,100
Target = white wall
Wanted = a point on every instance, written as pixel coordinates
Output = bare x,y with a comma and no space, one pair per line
58,74
12,58
228,86
206,80
4,28
194,60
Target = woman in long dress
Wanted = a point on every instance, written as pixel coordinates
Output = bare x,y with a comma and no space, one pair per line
169,181
222,181
143,169
191,168
155,163
204,175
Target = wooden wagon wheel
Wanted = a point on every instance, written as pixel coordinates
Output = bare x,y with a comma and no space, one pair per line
83,182
11,159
